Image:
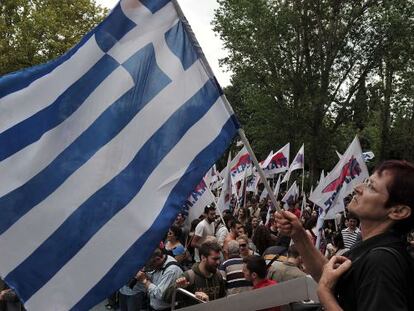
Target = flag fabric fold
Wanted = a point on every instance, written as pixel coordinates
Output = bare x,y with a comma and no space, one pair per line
99,150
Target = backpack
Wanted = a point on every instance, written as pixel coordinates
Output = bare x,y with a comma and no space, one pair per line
171,263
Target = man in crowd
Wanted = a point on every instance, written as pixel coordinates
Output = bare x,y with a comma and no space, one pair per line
166,271
232,270
203,230
287,270
377,273
234,226
203,279
351,234
255,270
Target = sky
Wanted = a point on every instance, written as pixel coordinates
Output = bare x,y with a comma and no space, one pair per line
199,14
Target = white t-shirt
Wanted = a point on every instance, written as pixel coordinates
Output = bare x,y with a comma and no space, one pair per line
203,230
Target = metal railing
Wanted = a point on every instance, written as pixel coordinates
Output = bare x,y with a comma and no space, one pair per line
301,289
186,293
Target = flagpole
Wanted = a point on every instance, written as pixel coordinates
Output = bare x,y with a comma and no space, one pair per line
303,176
208,69
259,168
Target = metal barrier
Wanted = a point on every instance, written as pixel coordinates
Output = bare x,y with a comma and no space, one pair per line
185,292
277,295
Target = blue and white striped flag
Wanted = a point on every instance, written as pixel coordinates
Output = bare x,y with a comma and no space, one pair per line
99,149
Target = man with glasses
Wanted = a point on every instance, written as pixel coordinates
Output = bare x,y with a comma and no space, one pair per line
377,273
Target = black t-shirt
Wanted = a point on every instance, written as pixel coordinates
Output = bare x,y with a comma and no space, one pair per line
378,279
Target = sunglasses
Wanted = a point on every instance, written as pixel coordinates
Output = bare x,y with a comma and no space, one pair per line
242,245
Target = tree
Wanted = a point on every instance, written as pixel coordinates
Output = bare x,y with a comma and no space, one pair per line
312,64
36,31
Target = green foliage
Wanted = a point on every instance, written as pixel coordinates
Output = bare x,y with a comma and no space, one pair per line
320,72
36,31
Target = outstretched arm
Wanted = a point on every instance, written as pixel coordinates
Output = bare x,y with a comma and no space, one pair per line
288,224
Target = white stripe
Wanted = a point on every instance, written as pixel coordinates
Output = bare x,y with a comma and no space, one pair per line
145,33
17,170
236,280
22,104
77,277
168,62
40,222
235,271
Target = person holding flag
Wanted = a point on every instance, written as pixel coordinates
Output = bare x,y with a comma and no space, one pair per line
375,274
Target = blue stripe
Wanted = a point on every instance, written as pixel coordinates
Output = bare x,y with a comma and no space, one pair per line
179,43
110,199
138,254
18,202
18,80
32,129
154,5
115,26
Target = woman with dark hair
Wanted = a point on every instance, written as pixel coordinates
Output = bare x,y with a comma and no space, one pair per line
377,273
262,239
173,247
243,216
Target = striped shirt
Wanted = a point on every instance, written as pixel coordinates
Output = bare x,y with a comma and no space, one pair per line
232,271
350,237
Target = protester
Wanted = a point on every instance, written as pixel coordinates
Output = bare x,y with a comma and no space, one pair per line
352,233
288,269
377,273
337,247
244,248
132,296
254,224
262,239
166,271
234,226
173,247
232,271
203,279
203,230
243,216
254,209
8,299
222,229
255,271
180,222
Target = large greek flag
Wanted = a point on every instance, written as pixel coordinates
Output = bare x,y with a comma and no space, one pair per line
99,149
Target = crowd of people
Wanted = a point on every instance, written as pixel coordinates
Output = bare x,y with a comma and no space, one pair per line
250,246
363,259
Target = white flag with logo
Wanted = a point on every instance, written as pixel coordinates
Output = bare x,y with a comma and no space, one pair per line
291,195
239,164
297,163
198,199
350,171
279,162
